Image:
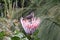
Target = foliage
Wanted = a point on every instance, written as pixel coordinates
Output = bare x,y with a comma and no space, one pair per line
47,10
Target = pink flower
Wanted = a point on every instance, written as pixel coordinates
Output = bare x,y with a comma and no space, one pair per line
30,25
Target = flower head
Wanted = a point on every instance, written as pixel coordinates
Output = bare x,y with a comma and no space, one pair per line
30,25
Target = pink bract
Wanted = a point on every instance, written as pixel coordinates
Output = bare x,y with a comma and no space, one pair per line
30,26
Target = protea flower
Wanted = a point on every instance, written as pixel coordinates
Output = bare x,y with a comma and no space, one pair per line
30,24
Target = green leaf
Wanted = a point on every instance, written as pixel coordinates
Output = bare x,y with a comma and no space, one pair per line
15,38
2,34
24,38
20,35
36,32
